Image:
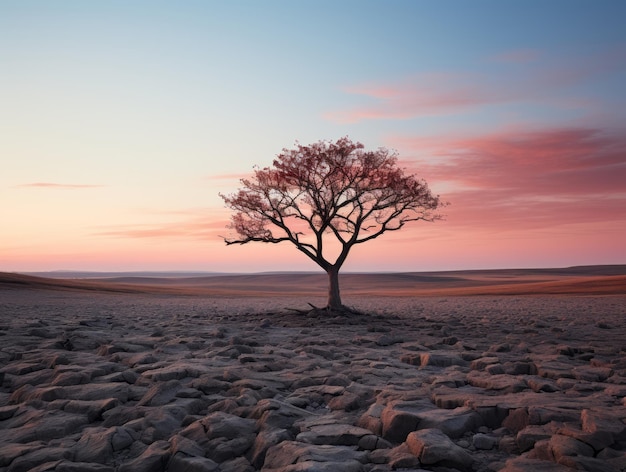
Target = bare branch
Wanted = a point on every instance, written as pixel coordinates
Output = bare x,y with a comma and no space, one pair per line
333,190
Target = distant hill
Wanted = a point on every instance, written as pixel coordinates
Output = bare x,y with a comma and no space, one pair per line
581,280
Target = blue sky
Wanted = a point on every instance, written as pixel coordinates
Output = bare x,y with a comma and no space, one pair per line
122,120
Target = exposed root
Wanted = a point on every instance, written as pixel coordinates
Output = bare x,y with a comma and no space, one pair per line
327,311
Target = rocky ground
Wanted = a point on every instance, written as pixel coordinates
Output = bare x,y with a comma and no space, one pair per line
146,383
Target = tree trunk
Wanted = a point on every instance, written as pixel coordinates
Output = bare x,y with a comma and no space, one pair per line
334,298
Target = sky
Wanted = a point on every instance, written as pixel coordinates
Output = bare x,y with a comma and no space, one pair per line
122,121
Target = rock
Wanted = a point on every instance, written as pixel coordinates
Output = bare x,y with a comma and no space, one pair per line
453,423
525,464
159,424
371,419
434,359
596,421
8,411
401,418
92,409
153,459
588,463
95,445
225,425
346,402
65,466
310,457
11,451
372,442
239,464
542,385
99,391
222,449
592,374
501,382
185,446
122,414
598,440
508,445
520,368
33,458
483,362
432,447
210,386
543,415
183,463
614,458
517,420
560,446
197,386
388,340
46,426
335,434
161,393
528,436
484,441
401,458
556,368
264,440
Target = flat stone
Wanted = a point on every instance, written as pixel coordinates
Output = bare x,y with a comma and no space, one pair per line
180,462
528,436
289,453
161,393
433,447
400,419
567,446
435,359
501,382
264,440
484,442
153,459
608,421
453,423
66,466
32,459
335,434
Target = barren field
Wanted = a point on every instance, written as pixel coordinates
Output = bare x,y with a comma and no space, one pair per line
456,371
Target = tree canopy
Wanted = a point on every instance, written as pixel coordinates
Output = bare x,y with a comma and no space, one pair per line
325,198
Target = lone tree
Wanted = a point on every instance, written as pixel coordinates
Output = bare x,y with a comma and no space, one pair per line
324,199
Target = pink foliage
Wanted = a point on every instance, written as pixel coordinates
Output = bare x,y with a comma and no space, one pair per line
335,189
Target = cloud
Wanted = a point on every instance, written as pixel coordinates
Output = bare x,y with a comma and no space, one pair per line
519,77
526,178
197,228
419,95
52,185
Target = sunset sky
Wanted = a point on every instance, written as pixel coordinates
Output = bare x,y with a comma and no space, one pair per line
122,120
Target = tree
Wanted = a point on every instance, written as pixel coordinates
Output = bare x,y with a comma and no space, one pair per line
325,198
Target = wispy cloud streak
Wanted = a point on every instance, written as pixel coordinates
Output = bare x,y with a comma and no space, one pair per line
53,185
194,228
436,93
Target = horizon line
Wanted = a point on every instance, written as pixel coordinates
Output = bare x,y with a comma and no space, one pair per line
178,272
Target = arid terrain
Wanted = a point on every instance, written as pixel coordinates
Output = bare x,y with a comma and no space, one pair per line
516,370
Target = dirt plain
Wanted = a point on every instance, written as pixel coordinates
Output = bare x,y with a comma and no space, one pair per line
456,371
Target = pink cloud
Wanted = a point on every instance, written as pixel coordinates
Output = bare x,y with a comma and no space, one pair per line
52,185
198,228
435,93
423,94
526,179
